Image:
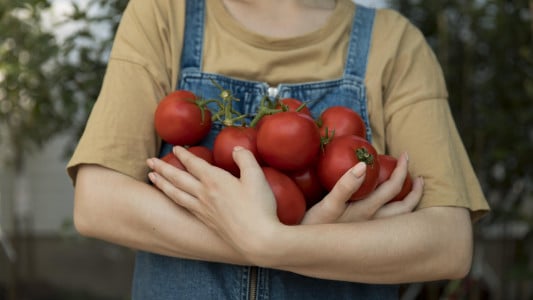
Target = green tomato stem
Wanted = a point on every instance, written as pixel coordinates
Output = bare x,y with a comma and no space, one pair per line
364,156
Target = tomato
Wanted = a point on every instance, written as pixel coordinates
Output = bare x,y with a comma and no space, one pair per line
341,120
290,201
227,139
293,105
200,151
180,119
309,183
387,164
288,141
203,152
341,154
285,104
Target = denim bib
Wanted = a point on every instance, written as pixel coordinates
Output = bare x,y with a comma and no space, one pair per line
158,277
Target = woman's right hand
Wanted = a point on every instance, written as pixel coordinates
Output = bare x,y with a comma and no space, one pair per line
335,208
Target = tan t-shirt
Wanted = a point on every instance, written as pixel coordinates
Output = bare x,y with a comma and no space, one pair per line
407,96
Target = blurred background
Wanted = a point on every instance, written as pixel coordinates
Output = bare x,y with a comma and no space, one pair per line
52,59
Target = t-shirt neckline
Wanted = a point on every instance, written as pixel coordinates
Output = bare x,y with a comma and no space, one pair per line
227,22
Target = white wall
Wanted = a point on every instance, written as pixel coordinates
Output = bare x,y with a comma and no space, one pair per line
42,195
50,189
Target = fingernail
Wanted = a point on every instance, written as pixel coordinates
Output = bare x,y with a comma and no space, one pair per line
359,169
406,156
175,149
237,148
150,163
152,176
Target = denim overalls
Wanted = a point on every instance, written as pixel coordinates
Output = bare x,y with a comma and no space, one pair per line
159,277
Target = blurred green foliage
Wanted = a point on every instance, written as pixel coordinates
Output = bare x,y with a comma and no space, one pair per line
48,86
29,111
486,51
83,56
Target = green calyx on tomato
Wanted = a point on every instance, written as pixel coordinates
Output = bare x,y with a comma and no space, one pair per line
364,156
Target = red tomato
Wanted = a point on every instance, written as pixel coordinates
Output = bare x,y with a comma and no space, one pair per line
290,104
200,151
387,164
309,183
340,120
203,152
293,105
288,141
290,202
341,154
227,139
180,120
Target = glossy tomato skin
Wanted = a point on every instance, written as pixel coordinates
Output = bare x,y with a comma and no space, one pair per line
290,201
387,164
227,139
294,105
288,141
341,120
309,183
291,104
179,120
171,159
203,152
341,154
200,151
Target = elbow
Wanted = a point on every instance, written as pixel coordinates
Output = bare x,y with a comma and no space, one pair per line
82,222
451,254
83,201
460,250
463,260
81,219
460,268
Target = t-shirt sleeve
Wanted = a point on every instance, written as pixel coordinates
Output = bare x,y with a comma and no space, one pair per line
418,120
120,132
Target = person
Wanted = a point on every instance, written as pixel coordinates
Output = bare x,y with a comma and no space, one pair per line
206,234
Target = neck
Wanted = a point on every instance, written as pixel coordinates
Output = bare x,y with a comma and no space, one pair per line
281,18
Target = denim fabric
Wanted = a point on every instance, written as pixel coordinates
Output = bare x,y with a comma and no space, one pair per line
159,277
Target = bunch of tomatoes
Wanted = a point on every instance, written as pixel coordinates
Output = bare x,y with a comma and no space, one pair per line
302,157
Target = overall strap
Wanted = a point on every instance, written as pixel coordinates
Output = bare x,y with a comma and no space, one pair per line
191,56
360,41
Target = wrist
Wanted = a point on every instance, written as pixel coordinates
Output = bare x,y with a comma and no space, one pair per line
268,248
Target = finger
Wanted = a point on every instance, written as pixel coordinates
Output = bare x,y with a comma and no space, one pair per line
195,165
334,204
366,209
400,172
392,187
408,204
180,197
178,178
348,184
247,163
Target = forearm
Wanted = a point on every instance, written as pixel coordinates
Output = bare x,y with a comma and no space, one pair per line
430,244
116,208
